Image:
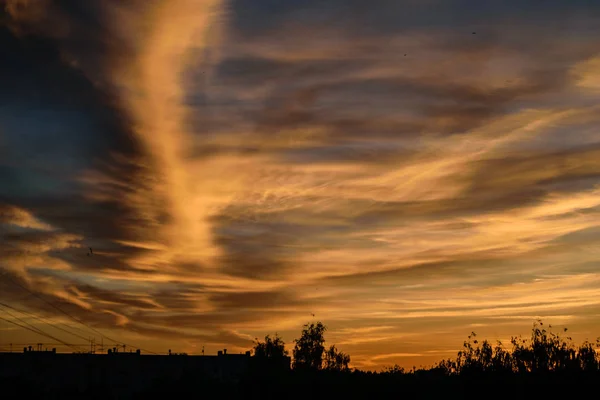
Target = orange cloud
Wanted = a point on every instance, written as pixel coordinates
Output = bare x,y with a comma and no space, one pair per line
404,187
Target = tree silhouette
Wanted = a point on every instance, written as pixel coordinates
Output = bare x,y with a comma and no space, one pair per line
309,349
271,348
270,356
336,360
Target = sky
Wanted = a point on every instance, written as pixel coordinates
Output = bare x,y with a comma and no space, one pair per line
407,171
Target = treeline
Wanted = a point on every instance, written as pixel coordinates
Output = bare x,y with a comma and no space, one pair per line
543,364
544,351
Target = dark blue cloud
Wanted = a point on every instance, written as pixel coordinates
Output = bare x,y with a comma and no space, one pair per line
55,122
262,17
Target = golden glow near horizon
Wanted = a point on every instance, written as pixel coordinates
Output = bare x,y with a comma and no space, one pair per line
407,186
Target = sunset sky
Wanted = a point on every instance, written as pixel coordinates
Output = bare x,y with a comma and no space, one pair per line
408,171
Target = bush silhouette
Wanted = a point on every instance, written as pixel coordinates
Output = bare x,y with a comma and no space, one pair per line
543,352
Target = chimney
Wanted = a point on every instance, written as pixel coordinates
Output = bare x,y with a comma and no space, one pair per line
224,352
54,350
24,349
109,351
30,348
248,353
169,351
138,352
220,353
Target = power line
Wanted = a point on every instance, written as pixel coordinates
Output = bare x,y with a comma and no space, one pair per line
44,321
39,332
71,316
58,322
57,308
31,327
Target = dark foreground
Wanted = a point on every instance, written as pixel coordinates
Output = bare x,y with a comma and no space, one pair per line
326,385
545,366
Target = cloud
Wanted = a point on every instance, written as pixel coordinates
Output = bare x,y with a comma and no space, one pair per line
28,16
256,300
122,299
395,355
14,215
236,167
153,98
222,337
586,73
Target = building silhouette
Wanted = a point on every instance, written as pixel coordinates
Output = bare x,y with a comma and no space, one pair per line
123,372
